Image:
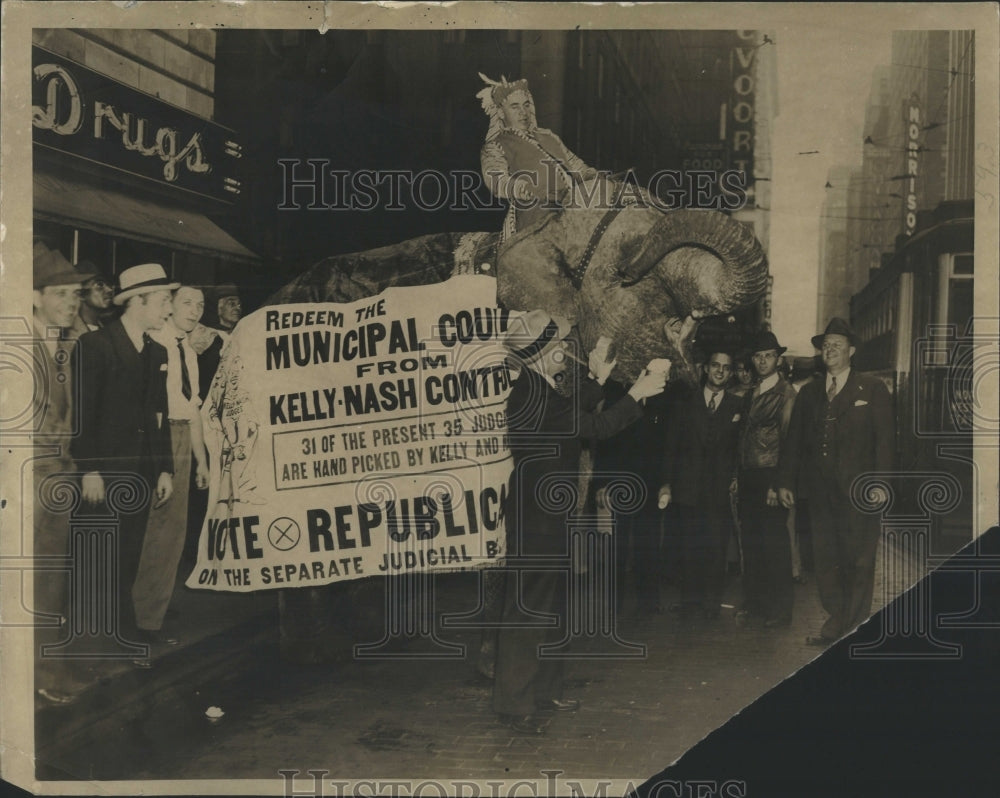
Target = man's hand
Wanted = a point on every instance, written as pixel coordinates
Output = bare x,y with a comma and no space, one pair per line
786,497
522,190
663,500
600,368
648,385
201,476
93,487
164,489
772,498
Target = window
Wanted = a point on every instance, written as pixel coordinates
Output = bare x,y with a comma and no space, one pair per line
956,285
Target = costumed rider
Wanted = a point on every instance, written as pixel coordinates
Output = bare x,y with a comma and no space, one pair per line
527,165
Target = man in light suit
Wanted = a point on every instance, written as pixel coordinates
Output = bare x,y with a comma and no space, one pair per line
699,467
167,528
841,427
124,424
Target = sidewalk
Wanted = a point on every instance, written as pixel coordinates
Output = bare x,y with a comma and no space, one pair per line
424,718
215,630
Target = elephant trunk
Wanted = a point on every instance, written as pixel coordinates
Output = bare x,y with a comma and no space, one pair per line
718,263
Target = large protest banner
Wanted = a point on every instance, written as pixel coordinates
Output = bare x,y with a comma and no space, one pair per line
361,439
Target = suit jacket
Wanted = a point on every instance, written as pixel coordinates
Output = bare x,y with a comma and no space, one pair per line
123,395
699,462
546,431
861,439
52,407
637,449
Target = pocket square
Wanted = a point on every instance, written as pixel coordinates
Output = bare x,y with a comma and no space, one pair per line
736,418
860,403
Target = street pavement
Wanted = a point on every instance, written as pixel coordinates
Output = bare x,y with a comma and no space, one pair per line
418,715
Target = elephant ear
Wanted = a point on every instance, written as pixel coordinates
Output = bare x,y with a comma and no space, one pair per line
737,278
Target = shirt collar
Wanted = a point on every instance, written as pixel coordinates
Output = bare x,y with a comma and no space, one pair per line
841,379
708,393
769,383
42,333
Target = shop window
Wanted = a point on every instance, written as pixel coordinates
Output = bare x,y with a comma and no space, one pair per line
54,236
193,269
98,249
131,253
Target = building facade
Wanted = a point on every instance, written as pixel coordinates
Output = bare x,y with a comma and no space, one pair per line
130,164
914,310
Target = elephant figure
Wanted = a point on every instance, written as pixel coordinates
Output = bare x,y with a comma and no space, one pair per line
645,282
647,279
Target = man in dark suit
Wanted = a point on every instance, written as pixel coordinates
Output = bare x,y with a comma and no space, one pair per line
841,427
546,425
699,467
636,450
124,425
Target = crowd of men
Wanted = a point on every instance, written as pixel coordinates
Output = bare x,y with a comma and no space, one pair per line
723,466
136,360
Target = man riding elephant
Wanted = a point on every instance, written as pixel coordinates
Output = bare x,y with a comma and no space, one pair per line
527,165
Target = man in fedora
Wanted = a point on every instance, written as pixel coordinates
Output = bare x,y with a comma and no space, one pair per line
56,299
547,423
841,427
767,558
124,423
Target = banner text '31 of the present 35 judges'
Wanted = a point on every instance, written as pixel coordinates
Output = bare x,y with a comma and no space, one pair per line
361,439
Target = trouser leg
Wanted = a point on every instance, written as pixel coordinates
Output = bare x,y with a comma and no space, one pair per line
163,543
522,676
862,543
827,547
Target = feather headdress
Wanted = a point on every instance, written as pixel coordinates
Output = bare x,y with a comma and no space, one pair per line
492,97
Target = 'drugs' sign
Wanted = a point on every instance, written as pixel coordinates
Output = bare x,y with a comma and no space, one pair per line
354,440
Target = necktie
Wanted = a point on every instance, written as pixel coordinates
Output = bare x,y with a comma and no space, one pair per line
832,390
185,379
711,404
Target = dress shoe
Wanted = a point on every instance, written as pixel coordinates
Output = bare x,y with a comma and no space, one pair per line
559,705
525,724
142,663
819,641
56,697
777,623
156,637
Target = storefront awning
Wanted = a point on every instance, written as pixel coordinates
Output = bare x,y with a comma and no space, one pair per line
105,211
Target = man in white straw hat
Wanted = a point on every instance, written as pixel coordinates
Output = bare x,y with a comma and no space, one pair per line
121,377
